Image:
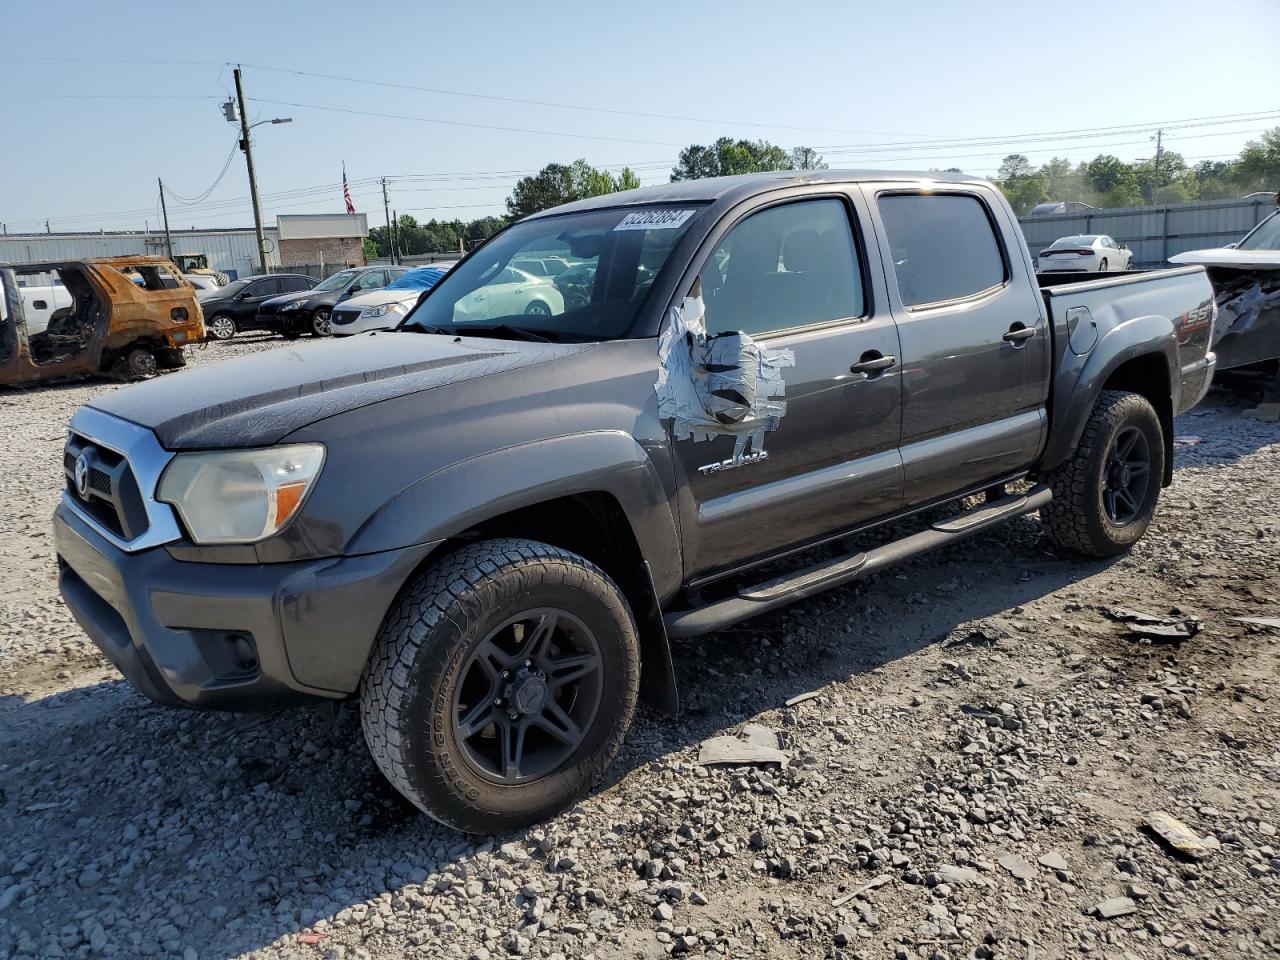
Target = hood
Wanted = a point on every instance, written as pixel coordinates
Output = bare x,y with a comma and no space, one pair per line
284,298
1230,257
375,298
259,399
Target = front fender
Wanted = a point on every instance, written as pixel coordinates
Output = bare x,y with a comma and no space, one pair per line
1080,380
464,494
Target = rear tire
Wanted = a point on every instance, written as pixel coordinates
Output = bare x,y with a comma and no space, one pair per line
1102,266
1105,495
478,655
537,308
171,358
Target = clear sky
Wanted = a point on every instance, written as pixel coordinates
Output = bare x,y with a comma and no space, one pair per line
908,85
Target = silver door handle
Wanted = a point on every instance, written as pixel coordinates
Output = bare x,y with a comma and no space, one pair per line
873,364
1018,333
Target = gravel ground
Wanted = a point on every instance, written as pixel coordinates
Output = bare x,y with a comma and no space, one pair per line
968,778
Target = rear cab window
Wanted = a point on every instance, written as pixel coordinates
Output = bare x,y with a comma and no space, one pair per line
945,247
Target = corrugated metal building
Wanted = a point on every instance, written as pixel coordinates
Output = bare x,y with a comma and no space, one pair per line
1156,233
233,251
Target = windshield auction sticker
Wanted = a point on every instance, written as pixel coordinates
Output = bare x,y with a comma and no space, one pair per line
655,220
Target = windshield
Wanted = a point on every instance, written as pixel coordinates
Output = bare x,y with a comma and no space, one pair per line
1083,241
1266,236
232,288
336,282
423,279
611,258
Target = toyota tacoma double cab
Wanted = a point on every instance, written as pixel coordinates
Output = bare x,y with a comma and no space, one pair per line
487,525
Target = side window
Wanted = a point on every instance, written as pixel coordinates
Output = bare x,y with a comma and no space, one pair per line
944,246
266,288
787,266
373,280
509,276
294,284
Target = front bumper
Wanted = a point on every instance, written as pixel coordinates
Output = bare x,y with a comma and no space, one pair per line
228,636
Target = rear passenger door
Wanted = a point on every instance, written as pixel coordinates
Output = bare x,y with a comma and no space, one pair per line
794,275
975,342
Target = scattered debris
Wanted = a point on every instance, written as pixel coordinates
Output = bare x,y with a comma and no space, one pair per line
950,873
754,745
312,938
1154,627
1177,836
981,634
1187,441
802,697
879,881
1114,907
1260,621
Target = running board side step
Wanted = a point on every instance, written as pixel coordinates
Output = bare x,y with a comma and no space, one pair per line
763,597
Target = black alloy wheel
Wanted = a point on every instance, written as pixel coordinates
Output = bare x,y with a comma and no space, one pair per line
1128,474
527,696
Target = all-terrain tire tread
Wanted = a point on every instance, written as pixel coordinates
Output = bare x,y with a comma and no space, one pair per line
441,592
1065,519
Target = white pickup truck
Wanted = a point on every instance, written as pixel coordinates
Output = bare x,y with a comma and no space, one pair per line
39,303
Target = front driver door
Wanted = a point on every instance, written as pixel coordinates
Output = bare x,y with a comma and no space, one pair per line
793,275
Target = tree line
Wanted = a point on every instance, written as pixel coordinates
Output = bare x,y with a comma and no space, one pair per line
1108,181
1104,181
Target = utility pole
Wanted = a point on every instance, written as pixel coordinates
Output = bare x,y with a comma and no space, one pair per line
395,218
247,147
391,230
1159,156
164,209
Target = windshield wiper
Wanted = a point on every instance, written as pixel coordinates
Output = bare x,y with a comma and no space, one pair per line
499,330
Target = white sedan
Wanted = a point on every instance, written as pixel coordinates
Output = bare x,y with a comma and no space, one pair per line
511,292
1087,253
385,308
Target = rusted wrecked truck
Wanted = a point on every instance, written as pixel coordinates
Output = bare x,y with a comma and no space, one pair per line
124,317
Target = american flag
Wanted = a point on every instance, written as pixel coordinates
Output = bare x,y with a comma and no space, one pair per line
346,191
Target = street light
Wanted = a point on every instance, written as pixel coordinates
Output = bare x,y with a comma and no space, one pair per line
229,110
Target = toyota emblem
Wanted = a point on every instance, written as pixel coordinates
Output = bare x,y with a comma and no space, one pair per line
82,476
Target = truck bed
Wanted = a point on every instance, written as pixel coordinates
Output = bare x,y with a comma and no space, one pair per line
1083,312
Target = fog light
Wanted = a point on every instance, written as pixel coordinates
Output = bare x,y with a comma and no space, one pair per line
242,646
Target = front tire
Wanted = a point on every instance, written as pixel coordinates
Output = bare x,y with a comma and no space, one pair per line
320,322
501,684
537,308
1105,495
221,326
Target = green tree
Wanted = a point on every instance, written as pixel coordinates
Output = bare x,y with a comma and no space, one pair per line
727,157
806,158
557,183
1258,167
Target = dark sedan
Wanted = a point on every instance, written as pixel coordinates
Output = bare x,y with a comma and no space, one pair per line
230,309
308,312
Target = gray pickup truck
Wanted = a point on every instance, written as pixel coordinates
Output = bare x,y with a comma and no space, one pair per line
487,524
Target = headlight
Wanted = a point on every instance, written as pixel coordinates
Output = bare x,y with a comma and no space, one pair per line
384,310
240,496
296,305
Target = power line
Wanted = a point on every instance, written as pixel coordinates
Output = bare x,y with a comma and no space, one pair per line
217,180
460,123
560,105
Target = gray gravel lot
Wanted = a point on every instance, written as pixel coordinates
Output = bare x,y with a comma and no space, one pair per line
968,781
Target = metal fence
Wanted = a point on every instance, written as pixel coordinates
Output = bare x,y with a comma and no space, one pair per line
1155,233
